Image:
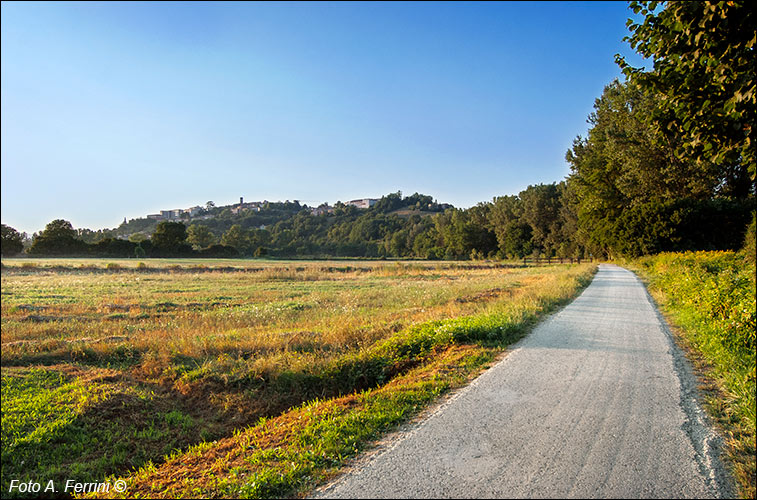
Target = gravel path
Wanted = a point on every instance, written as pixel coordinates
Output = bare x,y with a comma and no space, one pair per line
597,402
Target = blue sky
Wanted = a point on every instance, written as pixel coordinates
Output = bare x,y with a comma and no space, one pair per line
113,110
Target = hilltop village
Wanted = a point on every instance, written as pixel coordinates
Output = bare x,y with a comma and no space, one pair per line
198,212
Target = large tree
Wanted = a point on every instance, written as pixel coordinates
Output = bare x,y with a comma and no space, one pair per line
627,160
540,210
200,236
237,237
630,182
12,241
570,236
703,79
59,228
513,234
58,238
170,238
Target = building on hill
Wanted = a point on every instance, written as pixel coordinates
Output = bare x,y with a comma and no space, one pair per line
171,214
363,203
322,210
194,211
253,206
177,214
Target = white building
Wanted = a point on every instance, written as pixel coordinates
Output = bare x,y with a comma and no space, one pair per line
363,203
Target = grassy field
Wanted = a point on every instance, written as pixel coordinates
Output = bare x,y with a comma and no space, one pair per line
709,297
240,378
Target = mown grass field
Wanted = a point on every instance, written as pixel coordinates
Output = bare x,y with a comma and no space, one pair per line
709,297
241,378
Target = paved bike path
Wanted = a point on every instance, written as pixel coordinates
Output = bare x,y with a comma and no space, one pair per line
596,402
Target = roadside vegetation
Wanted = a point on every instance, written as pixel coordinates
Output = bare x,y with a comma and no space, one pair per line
709,297
108,369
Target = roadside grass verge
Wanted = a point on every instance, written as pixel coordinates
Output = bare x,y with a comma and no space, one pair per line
381,386
709,297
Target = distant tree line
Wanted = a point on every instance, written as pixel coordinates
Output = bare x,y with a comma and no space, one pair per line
170,239
667,165
534,222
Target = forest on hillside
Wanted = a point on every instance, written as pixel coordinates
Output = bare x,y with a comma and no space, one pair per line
668,164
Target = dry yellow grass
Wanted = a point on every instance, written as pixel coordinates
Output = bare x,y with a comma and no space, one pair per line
317,309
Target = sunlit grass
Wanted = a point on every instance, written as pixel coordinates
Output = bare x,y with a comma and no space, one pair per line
55,427
88,318
710,299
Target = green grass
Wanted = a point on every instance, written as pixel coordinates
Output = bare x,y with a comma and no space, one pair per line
710,299
56,427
